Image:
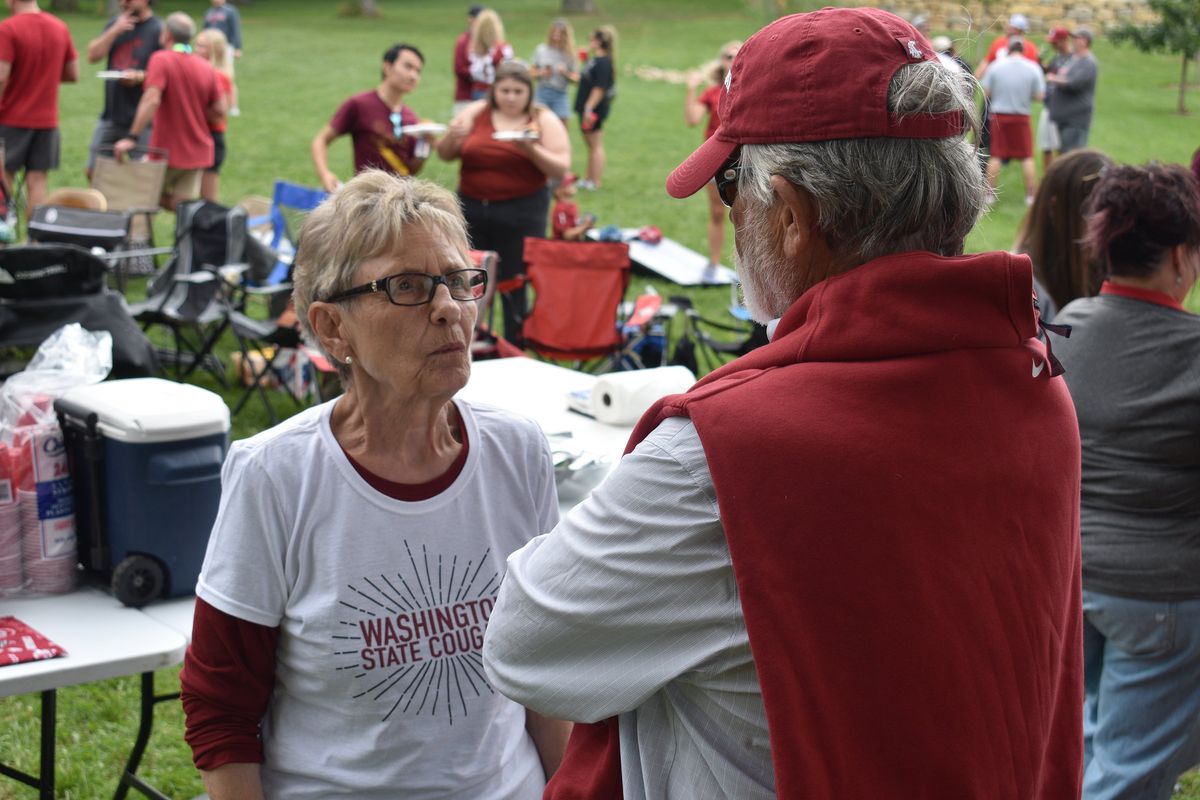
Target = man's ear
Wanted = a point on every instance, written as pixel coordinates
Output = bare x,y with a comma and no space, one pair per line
327,321
799,217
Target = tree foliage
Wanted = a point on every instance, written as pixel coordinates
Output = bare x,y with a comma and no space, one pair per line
1176,31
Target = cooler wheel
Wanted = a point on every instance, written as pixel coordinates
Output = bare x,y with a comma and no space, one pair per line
137,580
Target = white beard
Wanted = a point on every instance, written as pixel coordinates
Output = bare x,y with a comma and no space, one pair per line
760,267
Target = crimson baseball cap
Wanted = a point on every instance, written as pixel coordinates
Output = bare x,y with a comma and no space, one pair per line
812,78
1059,35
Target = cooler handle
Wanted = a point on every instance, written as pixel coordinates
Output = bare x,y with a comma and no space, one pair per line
183,467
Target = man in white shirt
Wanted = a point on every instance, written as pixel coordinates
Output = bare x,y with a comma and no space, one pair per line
1011,86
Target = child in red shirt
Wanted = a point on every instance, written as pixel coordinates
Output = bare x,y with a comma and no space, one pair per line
564,217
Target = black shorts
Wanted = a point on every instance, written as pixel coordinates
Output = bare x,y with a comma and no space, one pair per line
35,149
218,151
601,115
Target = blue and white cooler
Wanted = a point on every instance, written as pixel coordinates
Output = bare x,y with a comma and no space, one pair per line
146,458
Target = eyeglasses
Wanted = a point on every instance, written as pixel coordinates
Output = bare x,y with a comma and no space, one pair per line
727,181
418,288
397,124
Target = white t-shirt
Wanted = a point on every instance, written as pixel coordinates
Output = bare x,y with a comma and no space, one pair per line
381,605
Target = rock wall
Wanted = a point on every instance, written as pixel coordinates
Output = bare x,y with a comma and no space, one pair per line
986,20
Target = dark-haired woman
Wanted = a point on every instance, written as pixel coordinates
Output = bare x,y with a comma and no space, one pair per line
593,101
1132,367
1053,231
502,182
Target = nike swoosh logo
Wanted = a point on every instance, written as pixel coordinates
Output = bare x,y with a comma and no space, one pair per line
1037,368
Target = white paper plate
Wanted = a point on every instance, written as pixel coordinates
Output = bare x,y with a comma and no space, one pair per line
422,128
515,136
110,74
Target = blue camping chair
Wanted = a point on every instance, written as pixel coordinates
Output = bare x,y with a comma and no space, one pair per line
289,199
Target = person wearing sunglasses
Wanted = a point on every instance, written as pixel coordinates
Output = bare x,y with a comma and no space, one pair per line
846,564
695,108
359,545
376,121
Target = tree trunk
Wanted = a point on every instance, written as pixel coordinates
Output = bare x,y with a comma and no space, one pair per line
1183,86
578,7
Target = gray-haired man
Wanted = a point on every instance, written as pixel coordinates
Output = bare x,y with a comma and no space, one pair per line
839,566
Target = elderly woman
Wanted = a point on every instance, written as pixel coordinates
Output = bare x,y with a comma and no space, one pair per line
1131,366
359,546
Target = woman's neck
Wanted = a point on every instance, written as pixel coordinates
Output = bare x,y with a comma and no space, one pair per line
409,440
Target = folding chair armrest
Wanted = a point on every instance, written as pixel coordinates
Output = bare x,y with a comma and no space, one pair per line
513,284
197,277
268,291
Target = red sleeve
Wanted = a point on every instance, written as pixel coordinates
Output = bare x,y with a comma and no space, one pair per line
156,70
462,59
227,678
6,45
343,118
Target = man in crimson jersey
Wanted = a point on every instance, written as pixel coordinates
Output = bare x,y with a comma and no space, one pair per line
181,98
36,55
846,564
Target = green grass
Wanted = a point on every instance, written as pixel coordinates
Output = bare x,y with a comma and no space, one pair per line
302,61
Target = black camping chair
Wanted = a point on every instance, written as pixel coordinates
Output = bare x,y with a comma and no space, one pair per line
191,295
43,287
705,344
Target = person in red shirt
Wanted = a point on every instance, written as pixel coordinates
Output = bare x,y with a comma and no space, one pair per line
565,222
694,109
36,55
462,63
183,100
212,46
376,121
1017,25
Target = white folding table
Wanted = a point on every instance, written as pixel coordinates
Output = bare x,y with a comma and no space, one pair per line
539,390
103,640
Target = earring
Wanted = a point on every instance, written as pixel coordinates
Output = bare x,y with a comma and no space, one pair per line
349,360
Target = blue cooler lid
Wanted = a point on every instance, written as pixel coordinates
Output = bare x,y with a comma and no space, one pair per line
143,410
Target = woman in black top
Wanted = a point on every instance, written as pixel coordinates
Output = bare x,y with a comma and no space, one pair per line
597,87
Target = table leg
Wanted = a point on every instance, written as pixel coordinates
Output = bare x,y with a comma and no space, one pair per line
49,718
44,782
145,727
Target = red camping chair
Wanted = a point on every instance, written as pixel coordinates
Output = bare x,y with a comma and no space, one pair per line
578,288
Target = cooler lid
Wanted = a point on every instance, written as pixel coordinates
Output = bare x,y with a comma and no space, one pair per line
142,410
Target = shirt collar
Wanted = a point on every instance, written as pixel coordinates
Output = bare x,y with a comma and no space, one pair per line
1145,295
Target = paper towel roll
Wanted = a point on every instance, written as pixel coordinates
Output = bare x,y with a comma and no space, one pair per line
620,398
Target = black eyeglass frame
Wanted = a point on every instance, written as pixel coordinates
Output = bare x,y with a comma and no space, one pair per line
382,284
727,177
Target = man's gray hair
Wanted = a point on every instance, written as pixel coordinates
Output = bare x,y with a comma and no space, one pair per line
181,27
880,196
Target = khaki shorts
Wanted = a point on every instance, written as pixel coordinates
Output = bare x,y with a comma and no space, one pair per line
182,183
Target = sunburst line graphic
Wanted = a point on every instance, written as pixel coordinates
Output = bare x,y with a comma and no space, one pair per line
412,687
417,574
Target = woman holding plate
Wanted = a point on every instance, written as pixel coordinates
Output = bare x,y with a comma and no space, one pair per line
509,147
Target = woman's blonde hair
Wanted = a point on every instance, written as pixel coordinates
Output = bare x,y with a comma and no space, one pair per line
365,218
219,52
486,32
607,35
715,70
569,45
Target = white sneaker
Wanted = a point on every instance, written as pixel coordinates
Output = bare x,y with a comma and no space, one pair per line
586,185
235,112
